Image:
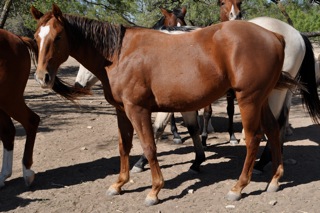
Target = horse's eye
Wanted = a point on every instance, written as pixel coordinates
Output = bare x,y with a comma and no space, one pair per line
57,38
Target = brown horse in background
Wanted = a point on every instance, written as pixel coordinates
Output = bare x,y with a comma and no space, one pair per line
140,74
230,10
15,65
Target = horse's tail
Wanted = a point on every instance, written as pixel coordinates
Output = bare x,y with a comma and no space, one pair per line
287,82
307,77
32,47
69,92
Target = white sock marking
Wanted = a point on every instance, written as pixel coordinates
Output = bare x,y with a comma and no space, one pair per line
7,162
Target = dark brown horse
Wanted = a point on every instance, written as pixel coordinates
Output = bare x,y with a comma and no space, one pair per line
15,65
140,75
171,18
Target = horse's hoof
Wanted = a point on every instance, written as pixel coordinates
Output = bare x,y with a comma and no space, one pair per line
193,171
289,131
232,196
177,140
150,201
272,188
112,191
234,142
1,184
28,176
136,169
257,172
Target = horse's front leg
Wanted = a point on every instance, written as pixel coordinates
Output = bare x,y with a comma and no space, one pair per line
141,121
159,125
7,133
125,129
251,117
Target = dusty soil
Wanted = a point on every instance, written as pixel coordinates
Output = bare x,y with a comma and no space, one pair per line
76,159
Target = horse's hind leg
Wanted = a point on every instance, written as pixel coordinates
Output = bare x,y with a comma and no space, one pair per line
271,129
174,130
191,121
7,133
230,111
283,122
251,117
207,113
30,122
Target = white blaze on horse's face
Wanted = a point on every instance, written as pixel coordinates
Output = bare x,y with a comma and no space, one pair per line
232,14
44,31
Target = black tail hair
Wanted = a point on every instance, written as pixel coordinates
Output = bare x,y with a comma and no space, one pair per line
307,77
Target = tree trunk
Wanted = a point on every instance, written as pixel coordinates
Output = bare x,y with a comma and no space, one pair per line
283,11
5,13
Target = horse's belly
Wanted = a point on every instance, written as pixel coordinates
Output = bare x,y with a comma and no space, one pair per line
187,99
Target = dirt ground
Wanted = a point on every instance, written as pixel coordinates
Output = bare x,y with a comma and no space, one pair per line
76,159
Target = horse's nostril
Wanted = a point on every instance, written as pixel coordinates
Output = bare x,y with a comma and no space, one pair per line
47,78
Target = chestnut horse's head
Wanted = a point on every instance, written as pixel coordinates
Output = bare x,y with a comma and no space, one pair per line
52,44
230,10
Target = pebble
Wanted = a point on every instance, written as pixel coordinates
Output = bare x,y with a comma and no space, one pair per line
84,148
190,191
273,202
230,206
89,127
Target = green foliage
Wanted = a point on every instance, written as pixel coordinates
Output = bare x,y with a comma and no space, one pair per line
145,13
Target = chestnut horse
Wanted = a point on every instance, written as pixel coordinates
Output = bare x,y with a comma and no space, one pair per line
139,77
15,65
299,63
85,79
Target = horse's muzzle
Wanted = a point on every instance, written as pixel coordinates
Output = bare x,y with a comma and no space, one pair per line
44,81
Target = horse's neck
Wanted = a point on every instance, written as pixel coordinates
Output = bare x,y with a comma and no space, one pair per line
90,58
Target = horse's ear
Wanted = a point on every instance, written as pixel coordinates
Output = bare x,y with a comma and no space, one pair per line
36,13
184,10
164,11
56,11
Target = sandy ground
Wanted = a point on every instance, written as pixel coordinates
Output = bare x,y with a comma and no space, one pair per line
76,159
